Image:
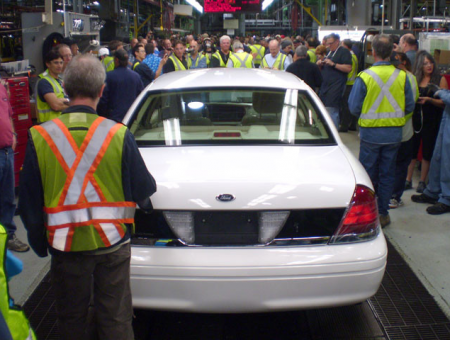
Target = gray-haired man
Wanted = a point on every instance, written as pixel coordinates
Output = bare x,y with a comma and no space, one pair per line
77,200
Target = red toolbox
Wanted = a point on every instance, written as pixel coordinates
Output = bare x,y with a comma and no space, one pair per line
18,89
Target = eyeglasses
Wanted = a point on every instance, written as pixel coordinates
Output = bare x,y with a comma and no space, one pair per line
330,43
141,51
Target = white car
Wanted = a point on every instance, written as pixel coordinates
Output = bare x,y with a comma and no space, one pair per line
260,207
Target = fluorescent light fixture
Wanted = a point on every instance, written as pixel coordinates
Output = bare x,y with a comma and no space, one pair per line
96,3
196,5
266,4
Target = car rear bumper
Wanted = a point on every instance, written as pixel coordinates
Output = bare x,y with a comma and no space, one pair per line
240,280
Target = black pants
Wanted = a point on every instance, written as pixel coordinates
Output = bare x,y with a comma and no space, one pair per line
74,275
404,157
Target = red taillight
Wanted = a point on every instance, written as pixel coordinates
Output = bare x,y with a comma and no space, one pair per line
360,222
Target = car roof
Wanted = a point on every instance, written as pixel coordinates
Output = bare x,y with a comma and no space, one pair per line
227,77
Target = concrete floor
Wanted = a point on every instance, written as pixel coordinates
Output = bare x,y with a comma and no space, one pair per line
422,239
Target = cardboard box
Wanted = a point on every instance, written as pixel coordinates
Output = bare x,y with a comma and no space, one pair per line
442,56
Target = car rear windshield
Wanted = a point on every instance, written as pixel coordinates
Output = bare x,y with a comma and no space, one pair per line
229,116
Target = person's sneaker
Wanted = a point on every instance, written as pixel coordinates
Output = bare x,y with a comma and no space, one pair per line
438,209
408,185
394,203
15,244
422,198
385,220
421,187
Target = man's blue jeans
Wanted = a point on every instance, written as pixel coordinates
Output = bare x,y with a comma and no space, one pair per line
379,162
439,175
7,205
334,114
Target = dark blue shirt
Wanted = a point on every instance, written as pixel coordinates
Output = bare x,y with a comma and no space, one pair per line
378,135
122,88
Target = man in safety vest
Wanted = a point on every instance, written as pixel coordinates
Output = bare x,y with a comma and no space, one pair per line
311,43
195,59
50,98
275,60
348,121
220,57
78,196
380,97
258,51
108,62
13,322
240,59
177,61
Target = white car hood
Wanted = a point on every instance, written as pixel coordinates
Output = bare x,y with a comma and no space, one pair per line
259,177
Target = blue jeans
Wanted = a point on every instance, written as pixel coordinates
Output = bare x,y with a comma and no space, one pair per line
7,205
379,162
334,114
439,176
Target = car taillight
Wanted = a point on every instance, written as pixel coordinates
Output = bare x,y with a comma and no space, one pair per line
360,222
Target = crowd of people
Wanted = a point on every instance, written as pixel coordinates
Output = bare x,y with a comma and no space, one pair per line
401,105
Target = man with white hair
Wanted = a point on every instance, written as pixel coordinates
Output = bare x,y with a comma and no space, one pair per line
90,256
240,59
275,60
220,58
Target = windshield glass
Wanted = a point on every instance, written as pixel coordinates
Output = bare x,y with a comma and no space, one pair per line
229,116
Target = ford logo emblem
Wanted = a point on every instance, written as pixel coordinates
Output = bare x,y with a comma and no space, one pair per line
225,198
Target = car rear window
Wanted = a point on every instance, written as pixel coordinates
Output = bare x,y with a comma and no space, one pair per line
229,116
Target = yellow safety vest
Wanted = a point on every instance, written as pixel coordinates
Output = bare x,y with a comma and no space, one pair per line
312,55
17,322
80,163
45,112
238,62
218,56
260,52
384,104
199,57
177,63
108,63
278,64
351,77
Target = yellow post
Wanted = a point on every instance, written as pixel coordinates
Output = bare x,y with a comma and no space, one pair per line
162,27
308,10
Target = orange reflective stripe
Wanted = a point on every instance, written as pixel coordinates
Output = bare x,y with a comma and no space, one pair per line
120,229
102,234
53,147
87,223
69,239
88,205
79,153
97,160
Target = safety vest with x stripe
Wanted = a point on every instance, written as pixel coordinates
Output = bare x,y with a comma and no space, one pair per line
45,112
384,104
80,161
241,60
